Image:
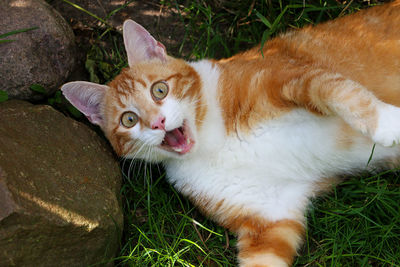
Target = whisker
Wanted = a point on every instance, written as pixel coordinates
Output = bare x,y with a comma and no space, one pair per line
123,162
132,167
149,152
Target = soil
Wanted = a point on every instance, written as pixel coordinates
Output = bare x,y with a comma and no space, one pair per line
163,22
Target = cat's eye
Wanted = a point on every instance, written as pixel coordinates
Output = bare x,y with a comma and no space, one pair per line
159,90
129,119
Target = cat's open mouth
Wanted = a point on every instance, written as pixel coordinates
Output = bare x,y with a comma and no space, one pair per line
178,140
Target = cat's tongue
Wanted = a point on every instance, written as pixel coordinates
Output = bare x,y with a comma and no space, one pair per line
178,141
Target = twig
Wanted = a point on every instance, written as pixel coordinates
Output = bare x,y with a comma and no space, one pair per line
200,236
227,240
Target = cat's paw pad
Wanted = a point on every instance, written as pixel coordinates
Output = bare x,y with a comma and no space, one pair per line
387,131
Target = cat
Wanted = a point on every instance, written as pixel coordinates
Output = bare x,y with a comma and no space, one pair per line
251,138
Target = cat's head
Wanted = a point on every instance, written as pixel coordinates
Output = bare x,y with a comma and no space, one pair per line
153,109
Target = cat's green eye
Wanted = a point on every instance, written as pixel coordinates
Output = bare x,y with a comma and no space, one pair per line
129,119
159,91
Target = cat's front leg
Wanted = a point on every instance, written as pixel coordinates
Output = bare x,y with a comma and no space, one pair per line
332,94
387,131
268,244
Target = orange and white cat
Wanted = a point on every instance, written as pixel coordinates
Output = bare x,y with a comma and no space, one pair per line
250,139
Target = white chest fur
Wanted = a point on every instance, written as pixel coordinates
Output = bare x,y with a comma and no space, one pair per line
271,172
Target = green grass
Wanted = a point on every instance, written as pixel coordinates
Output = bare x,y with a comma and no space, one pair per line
356,225
163,229
11,33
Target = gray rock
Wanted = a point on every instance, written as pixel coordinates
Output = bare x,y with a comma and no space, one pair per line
44,56
59,190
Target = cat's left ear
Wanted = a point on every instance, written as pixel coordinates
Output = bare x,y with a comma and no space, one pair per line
87,98
140,45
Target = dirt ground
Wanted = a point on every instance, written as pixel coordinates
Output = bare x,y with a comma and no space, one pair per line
163,22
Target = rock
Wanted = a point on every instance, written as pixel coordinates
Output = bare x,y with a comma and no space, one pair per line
44,56
59,190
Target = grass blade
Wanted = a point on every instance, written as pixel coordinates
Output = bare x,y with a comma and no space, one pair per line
87,12
3,96
4,35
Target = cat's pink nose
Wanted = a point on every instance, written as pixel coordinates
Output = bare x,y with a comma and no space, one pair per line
159,124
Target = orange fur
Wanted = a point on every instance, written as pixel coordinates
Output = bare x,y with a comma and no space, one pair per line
256,235
280,238
135,83
342,68
301,68
338,68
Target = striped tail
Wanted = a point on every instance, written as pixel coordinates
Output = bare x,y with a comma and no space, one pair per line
273,244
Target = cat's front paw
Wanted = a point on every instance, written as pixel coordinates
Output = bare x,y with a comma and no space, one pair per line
387,132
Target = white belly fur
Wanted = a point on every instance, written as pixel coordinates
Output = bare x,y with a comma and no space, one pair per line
271,172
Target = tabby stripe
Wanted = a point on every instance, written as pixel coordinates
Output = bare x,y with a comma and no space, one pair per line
280,239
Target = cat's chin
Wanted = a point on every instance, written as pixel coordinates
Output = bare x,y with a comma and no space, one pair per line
179,140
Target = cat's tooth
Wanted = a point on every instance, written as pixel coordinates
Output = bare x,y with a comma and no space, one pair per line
178,149
188,141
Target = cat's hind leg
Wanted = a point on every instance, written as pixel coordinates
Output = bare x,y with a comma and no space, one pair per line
268,244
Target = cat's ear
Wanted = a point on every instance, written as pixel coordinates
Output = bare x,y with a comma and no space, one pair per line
86,97
140,45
